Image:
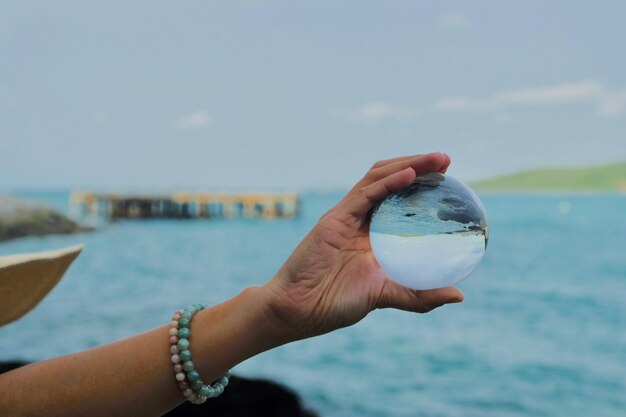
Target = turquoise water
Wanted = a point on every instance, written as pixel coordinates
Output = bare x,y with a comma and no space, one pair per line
542,331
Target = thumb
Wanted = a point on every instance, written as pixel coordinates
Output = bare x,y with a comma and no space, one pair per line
394,295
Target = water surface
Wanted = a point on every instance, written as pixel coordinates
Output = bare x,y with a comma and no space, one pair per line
541,332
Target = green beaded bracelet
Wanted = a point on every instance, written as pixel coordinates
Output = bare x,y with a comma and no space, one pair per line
188,378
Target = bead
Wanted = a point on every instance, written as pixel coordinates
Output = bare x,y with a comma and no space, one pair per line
183,344
193,376
184,333
185,355
189,379
188,366
205,391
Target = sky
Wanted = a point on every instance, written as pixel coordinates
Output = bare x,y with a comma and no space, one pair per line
299,95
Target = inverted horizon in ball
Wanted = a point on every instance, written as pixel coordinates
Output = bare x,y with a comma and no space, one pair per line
431,234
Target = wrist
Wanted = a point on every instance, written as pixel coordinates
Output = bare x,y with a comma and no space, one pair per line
227,334
285,311
257,307
266,307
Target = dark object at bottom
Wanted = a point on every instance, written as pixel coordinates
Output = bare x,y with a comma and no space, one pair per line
242,398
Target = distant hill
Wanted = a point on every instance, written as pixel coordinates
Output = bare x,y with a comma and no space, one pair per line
600,178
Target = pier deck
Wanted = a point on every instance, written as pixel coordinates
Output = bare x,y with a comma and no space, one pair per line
188,205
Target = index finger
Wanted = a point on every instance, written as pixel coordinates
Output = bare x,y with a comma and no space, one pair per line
362,199
382,169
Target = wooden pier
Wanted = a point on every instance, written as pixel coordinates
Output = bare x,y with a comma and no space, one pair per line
188,205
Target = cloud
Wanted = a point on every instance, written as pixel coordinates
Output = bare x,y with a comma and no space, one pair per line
453,21
461,104
608,103
194,120
613,104
560,93
375,112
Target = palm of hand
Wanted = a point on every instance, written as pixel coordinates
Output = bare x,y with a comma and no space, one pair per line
338,280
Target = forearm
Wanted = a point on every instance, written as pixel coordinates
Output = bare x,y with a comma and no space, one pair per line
135,376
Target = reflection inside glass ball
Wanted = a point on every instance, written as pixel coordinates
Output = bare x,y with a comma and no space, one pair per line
430,235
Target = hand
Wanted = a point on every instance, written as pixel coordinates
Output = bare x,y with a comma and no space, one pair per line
332,279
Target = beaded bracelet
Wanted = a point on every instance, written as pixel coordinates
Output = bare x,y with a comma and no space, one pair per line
188,378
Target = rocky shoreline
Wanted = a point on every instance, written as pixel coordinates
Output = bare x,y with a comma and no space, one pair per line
21,219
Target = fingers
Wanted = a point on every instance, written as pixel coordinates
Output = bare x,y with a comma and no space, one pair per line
398,296
393,177
384,162
422,164
361,201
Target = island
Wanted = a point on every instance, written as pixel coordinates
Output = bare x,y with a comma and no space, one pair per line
605,178
19,219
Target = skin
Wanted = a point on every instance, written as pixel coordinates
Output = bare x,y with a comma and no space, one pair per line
330,281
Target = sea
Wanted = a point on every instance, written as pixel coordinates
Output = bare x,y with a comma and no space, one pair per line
542,330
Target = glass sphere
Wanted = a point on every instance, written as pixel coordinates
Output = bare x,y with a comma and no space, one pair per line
430,235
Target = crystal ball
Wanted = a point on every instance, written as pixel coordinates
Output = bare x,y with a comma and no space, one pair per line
431,234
